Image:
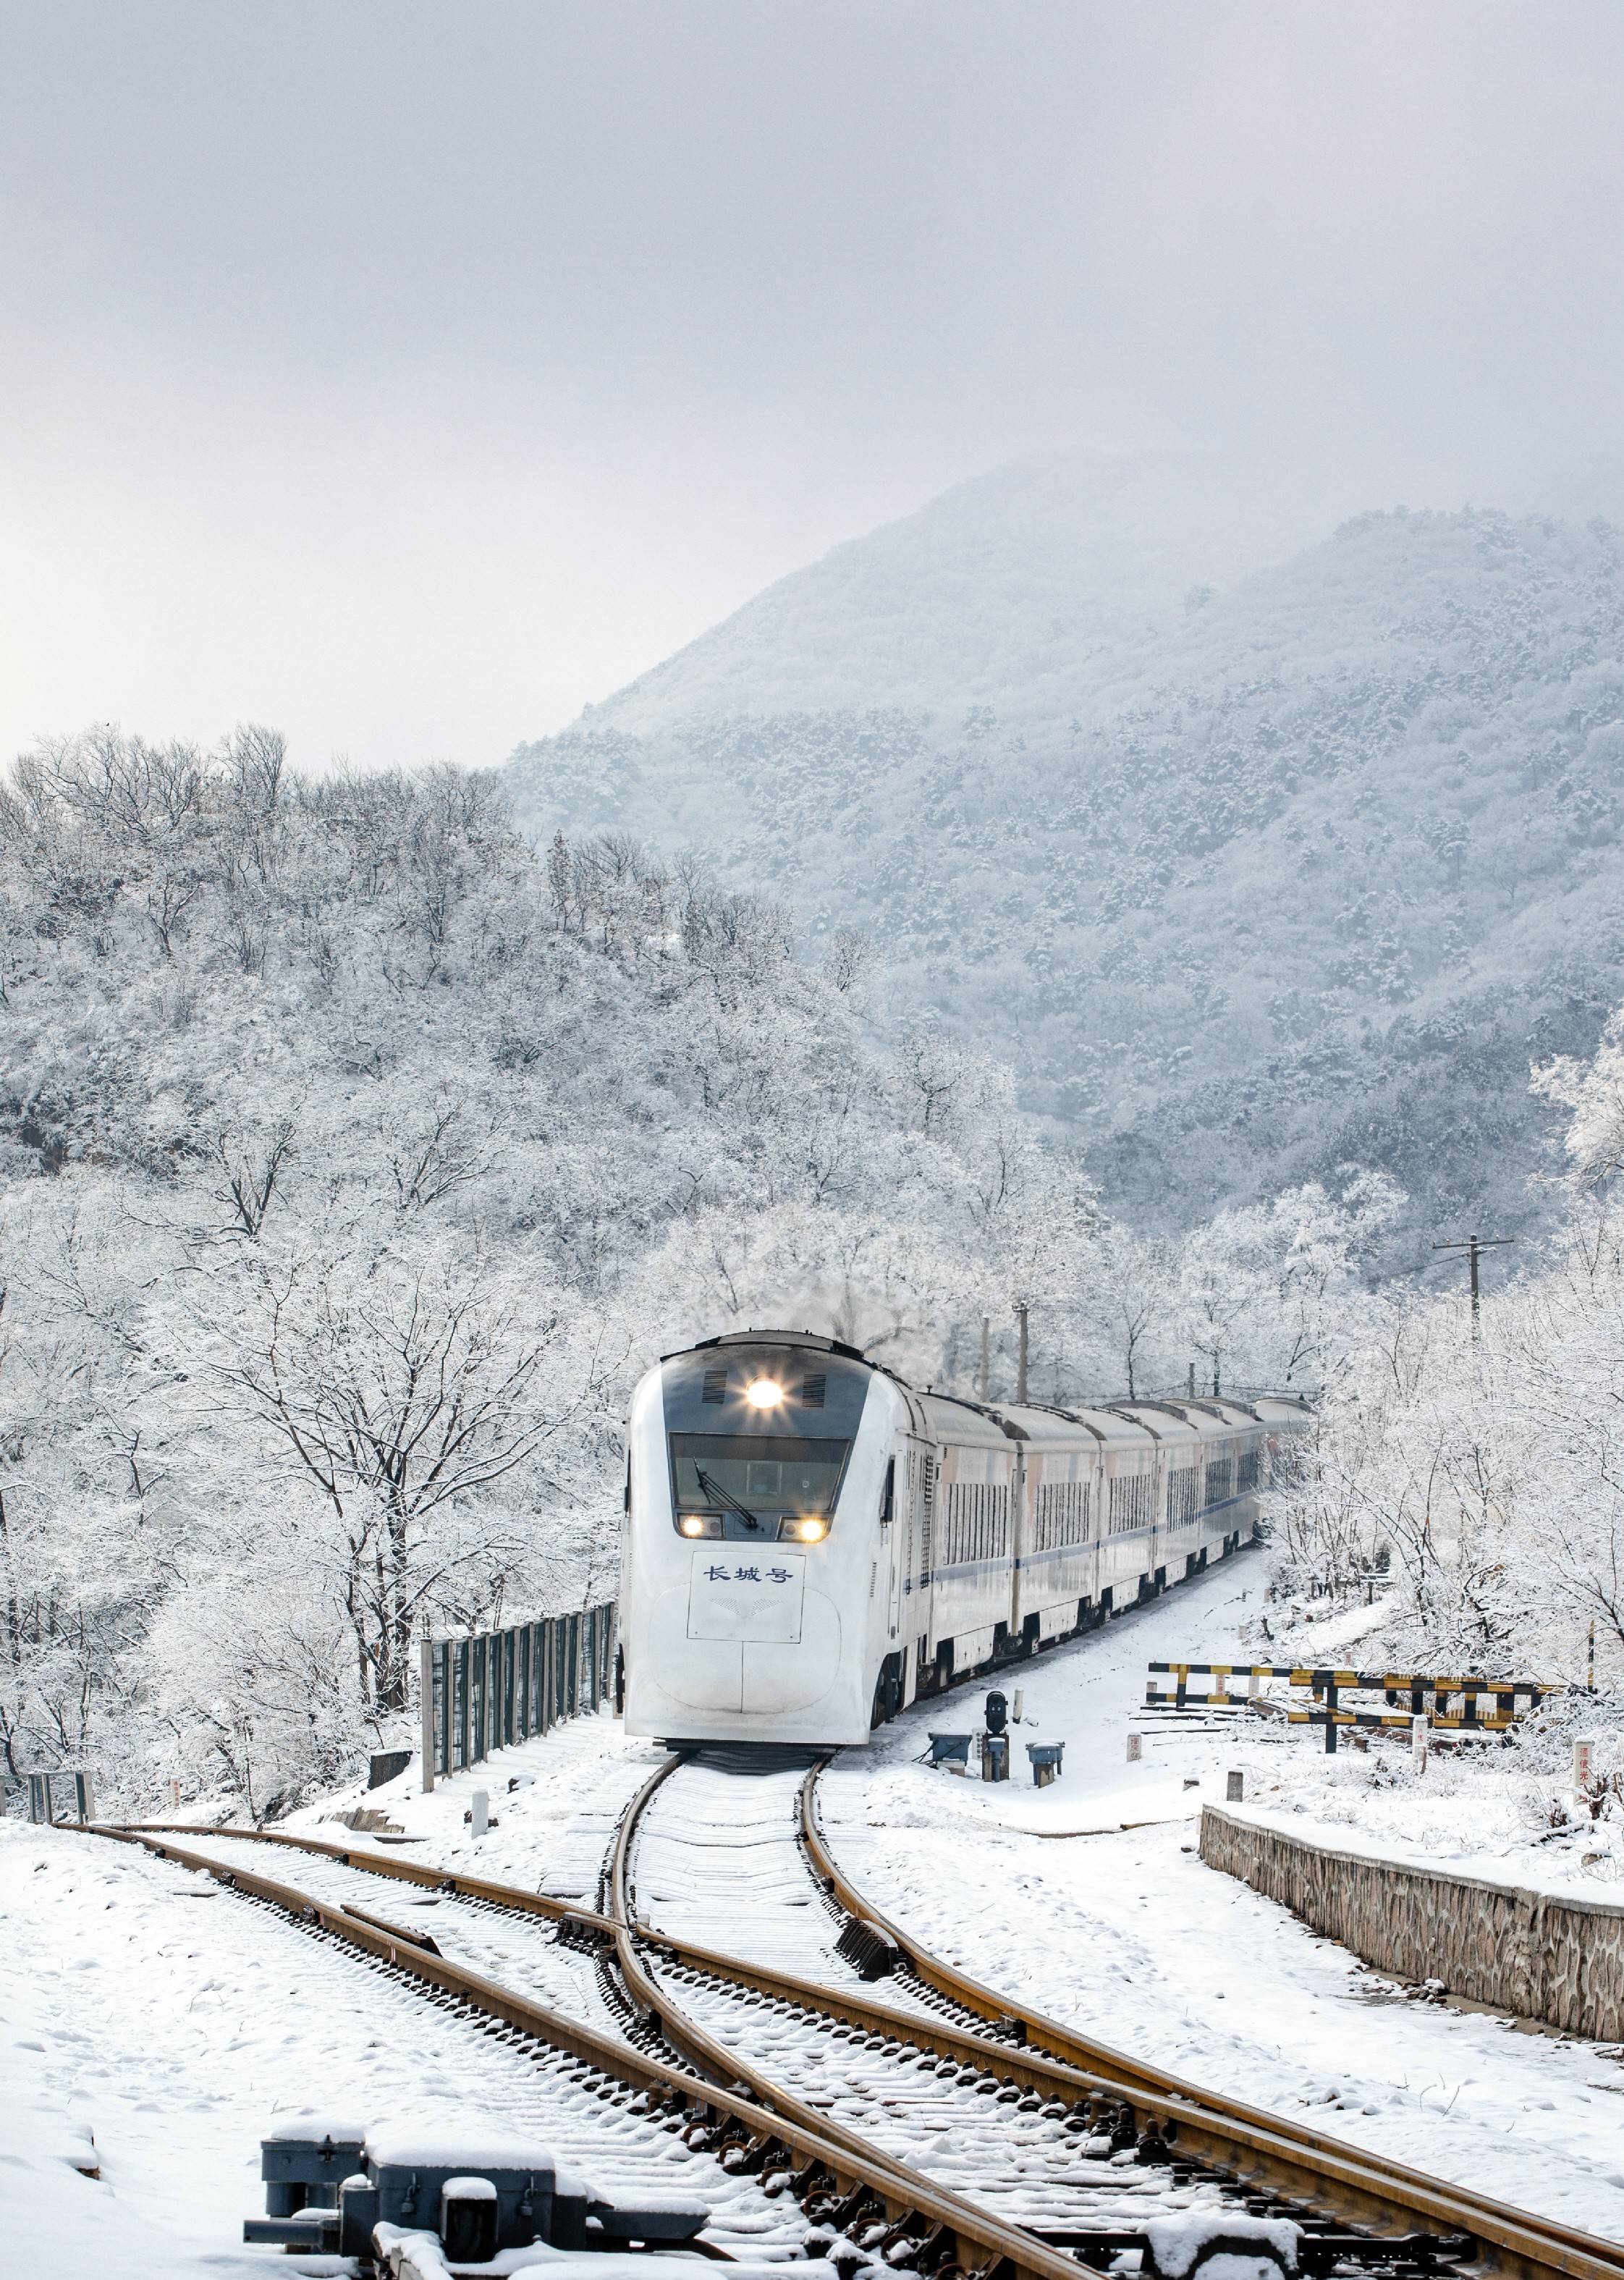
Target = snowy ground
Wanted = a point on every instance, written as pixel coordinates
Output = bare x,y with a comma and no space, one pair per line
1128,1933
150,2025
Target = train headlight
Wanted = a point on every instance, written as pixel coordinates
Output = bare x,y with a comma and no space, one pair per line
805,1531
764,1393
699,1523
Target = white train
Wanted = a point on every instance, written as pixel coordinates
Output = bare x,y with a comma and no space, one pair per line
810,1544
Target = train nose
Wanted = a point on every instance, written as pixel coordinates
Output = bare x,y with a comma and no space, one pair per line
793,1678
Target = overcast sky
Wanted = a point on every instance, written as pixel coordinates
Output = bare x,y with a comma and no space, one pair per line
406,376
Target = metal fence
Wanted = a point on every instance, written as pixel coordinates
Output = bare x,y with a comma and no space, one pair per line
64,1794
481,1692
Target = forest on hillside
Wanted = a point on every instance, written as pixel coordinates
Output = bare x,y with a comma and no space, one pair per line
1306,869
356,1154
1466,1474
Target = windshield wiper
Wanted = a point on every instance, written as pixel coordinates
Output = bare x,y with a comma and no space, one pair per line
720,1495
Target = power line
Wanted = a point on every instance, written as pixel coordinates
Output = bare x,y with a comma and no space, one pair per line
1473,1245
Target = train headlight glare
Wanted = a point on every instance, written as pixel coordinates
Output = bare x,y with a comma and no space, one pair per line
764,1393
693,1525
809,1531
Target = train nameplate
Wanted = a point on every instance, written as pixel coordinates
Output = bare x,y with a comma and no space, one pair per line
737,1593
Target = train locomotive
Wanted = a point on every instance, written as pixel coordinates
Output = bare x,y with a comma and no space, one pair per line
811,1544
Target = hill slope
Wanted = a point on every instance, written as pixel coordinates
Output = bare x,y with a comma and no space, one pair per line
1249,881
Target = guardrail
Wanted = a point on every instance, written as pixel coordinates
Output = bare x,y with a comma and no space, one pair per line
63,1793
489,1688
1434,1699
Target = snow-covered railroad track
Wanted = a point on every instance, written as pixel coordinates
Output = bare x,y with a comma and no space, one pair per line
1207,2149
947,2117
710,1850
479,2064
1305,2166
520,1951
834,2185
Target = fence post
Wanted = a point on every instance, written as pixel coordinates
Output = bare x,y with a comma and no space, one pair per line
426,1710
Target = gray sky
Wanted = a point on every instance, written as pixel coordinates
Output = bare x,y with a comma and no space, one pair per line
408,375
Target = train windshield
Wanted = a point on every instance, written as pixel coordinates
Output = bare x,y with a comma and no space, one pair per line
755,1483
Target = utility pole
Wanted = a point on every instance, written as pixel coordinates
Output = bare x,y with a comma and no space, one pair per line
1472,1244
1020,1355
986,1358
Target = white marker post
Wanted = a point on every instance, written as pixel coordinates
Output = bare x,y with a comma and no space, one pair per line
481,1811
1134,1750
1420,1731
1584,1766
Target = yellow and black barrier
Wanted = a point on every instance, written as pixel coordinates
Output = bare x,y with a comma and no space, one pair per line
1451,1702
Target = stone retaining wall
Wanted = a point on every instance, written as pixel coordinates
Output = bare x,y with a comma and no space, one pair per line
1560,1960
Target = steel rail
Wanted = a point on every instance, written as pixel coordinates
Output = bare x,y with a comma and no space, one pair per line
845,2181
1517,2241
1017,2066
449,1881
1256,2147
941,2208
1244,2144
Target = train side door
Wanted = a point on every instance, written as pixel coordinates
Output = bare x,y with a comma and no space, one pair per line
894,1546
919,1488
1018,1544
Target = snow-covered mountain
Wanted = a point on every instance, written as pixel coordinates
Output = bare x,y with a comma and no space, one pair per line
1257,855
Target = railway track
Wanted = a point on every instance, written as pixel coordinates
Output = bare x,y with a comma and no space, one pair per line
492,2073
839,2186
941,2128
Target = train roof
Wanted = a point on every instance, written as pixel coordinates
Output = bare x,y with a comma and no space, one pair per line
1145,1421
1140,1424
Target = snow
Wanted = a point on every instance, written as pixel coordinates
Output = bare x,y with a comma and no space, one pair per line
1473,1849
213,2018
162,2024
1127,1935
421,2146
1175,2242
419,2256
316,2127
